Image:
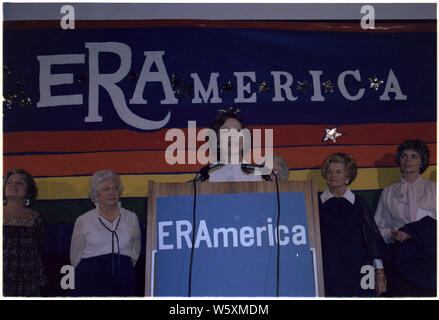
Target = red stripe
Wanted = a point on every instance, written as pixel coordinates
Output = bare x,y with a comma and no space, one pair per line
342,26
286,135
154,161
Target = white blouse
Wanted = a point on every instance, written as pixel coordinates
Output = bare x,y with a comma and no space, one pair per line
232,172
90,238
403,203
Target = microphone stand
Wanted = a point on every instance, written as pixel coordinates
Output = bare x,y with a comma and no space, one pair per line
201,175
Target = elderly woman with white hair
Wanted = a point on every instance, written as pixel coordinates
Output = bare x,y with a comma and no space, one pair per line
106,242
280,168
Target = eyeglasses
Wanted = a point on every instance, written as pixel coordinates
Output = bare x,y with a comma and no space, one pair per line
107,189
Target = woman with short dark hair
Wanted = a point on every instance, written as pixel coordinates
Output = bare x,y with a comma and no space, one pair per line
23,236
416,145
232,150
405,210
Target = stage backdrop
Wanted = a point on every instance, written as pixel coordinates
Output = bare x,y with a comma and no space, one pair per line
104,94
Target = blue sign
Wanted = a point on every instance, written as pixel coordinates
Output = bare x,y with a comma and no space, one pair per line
235,247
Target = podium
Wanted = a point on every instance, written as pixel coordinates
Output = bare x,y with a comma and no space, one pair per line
236,243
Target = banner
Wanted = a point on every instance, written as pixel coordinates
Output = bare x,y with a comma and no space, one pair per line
106,94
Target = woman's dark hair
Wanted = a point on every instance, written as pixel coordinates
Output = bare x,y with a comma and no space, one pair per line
416,145
222,118
31,188
219,121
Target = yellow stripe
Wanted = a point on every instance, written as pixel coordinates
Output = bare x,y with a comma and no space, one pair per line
367,178
52,188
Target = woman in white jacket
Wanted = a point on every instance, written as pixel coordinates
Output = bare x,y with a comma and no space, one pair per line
106,242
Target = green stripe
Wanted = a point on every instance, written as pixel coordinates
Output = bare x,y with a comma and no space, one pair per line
67,211
371,196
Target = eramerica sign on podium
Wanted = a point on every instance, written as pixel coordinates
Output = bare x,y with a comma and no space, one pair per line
234,248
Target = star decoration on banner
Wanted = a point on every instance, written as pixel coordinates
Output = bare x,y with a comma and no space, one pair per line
302,86
263,86
134,76
375,83
175,81
7,71
14,89
229,109
332,134
181,87
21,82
227,87
8,102
25,102
81,78
185,90
329,87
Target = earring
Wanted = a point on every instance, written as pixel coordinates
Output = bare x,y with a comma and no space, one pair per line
27,202
5,201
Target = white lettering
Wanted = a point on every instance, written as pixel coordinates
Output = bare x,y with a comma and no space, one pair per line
225,233
342,85
259,231
246,236
316,85
212,89
177,147
68,281
180,233
146,75
47,80
299,235
367,281
228,236
241,88
285,87
163,235
285,240
108,82
368,20
203,235
192,142
392,85
68,21
270,232
207,152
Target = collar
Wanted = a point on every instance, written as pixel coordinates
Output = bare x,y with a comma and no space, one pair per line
401,189
418,180
98,215
348,195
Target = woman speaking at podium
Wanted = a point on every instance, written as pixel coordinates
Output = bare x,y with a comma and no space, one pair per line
236,149
351,242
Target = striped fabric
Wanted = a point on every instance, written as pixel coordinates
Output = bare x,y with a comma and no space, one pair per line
62,150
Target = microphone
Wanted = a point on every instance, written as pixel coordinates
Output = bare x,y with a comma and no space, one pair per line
253,167
203,174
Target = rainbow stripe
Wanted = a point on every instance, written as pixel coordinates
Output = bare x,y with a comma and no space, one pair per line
136,186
